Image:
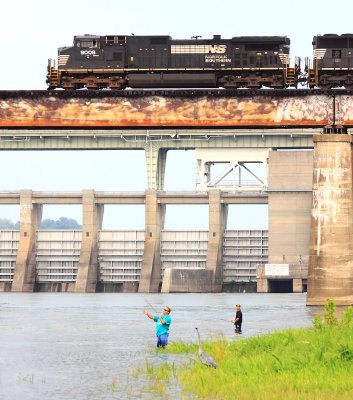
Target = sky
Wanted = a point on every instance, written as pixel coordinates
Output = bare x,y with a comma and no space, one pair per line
31,32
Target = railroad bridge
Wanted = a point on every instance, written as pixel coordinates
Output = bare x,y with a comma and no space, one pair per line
276,129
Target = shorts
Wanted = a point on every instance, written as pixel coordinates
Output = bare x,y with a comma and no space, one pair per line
162,340
237,328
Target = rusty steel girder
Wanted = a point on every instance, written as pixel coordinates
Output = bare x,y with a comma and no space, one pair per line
174,111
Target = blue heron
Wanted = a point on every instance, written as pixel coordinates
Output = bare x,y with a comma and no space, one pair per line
205,358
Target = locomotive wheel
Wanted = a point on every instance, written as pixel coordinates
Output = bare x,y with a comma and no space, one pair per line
324,83
229,82
117,84
67,84
254,85
348,84
325,86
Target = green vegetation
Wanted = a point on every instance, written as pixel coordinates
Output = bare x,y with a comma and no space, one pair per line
6,223
61,223
315,363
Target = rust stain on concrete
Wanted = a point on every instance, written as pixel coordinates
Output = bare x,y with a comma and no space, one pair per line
156,111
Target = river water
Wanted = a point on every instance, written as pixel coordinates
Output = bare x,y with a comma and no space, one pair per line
87,346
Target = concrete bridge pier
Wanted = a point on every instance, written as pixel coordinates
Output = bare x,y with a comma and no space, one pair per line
330,272
218,214
151,265
87,273
289,205
156,159
30,218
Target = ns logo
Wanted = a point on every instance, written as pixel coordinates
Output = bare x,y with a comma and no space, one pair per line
217,49
88,52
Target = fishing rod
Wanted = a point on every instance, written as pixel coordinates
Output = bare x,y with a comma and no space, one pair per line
146,300
153,308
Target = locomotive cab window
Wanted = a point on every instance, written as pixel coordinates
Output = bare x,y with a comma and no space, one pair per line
87,44
337,54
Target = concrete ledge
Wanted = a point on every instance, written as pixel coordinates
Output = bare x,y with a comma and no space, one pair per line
320,301
117,287
332,138
179,280
55,287
5,286
239,287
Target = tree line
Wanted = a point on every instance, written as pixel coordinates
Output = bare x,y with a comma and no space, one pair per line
61,223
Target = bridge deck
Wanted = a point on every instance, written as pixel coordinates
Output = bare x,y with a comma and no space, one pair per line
175,108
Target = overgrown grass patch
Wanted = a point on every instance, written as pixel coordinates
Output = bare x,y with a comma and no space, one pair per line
315,363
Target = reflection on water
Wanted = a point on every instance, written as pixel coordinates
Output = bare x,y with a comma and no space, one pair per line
86,346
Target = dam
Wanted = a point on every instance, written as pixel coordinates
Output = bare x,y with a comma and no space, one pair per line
278,130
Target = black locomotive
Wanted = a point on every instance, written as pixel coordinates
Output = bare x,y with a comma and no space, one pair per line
117,62
333,62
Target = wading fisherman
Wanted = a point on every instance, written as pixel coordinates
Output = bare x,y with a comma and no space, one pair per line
237,321
162,325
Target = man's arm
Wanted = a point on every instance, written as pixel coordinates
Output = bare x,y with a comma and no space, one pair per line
148,314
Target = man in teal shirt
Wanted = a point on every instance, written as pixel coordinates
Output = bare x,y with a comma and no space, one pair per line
162,325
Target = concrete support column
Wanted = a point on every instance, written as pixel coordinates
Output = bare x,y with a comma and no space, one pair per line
87,274
151,264
297,285
30,217
218,213
262,285
331,241
155,163
289,207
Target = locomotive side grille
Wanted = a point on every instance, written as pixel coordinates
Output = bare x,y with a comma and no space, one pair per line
319,54
284,58
62,60
197,49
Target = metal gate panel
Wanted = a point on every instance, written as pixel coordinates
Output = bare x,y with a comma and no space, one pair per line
57,255
120,255
242,251
9,240
183,249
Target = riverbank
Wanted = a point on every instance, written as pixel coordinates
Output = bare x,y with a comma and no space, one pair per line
313,363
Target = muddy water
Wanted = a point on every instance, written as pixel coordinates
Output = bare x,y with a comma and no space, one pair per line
87,346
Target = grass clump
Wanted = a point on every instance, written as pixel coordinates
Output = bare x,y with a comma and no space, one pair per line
315,363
